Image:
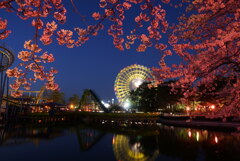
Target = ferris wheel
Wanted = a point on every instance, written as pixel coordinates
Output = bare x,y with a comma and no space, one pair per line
6,58
131,78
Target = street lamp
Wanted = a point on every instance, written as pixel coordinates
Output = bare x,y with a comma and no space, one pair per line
71,106
212,107
187,109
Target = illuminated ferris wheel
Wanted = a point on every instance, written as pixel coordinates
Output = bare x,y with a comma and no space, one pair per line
131,78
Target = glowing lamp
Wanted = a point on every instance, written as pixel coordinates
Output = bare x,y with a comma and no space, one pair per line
212,107
127,104
71,106
216,139
189,134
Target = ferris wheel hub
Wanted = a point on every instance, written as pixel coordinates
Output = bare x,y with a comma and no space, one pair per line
137,82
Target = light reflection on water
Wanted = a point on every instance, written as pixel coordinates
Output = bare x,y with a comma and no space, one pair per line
82,143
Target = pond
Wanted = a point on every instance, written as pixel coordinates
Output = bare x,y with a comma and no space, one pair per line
93,143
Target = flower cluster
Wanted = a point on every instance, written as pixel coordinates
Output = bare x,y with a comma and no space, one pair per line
32,64
208,43
3,32
48,33
115,13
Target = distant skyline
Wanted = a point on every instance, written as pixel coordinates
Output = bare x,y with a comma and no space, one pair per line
94,65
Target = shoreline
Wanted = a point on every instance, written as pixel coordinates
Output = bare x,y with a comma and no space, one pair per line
129,120
191,123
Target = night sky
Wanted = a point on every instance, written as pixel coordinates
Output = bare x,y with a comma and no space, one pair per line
94,65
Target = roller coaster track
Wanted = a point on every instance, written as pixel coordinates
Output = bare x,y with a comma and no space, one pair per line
38,94
89,95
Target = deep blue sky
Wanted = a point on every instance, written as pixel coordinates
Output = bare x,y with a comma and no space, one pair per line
96,64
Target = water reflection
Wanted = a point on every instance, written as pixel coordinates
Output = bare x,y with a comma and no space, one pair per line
12,136
135,148
87,138
197,144
164,143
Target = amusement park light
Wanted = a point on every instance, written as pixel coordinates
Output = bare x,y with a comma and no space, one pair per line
137,82
112,100
212,107
216,139
197,136
126,104
105,104
189,134
72,106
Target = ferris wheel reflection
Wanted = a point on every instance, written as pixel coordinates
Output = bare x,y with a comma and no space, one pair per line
134,148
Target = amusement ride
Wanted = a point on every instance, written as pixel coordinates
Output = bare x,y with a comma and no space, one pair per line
6,60
130,78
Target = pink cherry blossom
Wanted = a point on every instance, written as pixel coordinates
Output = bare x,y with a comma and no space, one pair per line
51,85
96,15
3,25
141,48
206,38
